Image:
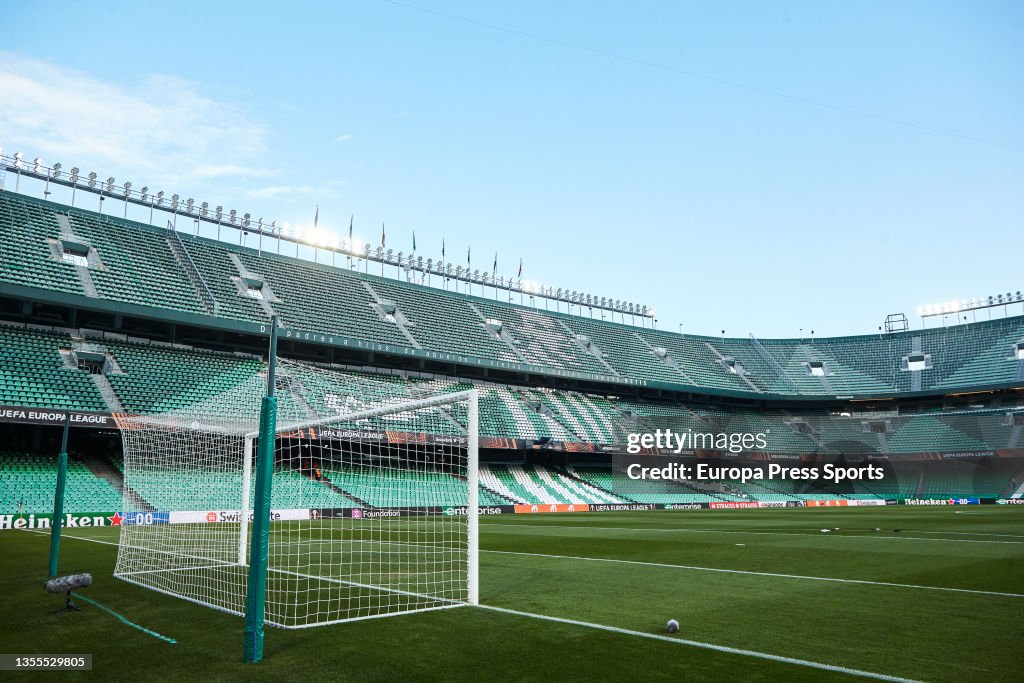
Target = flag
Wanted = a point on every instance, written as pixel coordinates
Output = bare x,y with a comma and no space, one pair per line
442,250
414,241
469,261
383,237
520,275
350,220
495,268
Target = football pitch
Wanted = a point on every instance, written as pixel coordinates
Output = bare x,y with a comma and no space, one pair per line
761,594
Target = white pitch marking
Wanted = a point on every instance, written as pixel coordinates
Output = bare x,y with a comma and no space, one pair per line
706,646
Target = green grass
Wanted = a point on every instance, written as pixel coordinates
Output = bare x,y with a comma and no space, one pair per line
535,563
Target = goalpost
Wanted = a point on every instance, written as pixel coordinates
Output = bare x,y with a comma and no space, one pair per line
372,510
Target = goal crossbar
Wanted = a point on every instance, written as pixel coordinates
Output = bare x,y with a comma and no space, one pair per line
415,404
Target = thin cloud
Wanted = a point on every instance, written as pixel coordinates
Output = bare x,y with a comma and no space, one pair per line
326,189
158,130
226,170
343,138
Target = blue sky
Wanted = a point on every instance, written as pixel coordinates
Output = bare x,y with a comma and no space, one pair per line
752,167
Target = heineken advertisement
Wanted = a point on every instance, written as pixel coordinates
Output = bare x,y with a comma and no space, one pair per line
76,520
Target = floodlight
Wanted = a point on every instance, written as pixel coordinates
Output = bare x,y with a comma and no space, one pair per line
127,188
17,159
110,184
92,178
74,175
204,208
233,216
145,192
246,220
37,165
55,170
220,213
189,204
159,197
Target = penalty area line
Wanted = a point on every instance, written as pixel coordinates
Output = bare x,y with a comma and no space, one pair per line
704,646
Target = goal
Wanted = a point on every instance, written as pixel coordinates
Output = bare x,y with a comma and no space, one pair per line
373,508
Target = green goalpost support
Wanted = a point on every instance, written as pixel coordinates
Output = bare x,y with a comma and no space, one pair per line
256,592
58,497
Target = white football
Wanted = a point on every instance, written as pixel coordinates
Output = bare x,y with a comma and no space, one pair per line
673,626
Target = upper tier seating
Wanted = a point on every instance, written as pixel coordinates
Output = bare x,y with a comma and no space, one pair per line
32,372
137,264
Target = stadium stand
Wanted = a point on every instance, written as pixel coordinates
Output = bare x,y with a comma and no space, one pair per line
27,485
157,378
533,484
33,373
28,235
153,377
134,263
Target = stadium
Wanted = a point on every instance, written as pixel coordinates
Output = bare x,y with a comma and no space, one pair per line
113,319
286,453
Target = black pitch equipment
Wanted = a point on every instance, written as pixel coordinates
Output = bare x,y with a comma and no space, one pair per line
66,584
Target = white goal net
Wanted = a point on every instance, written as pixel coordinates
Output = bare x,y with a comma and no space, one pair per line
373,505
